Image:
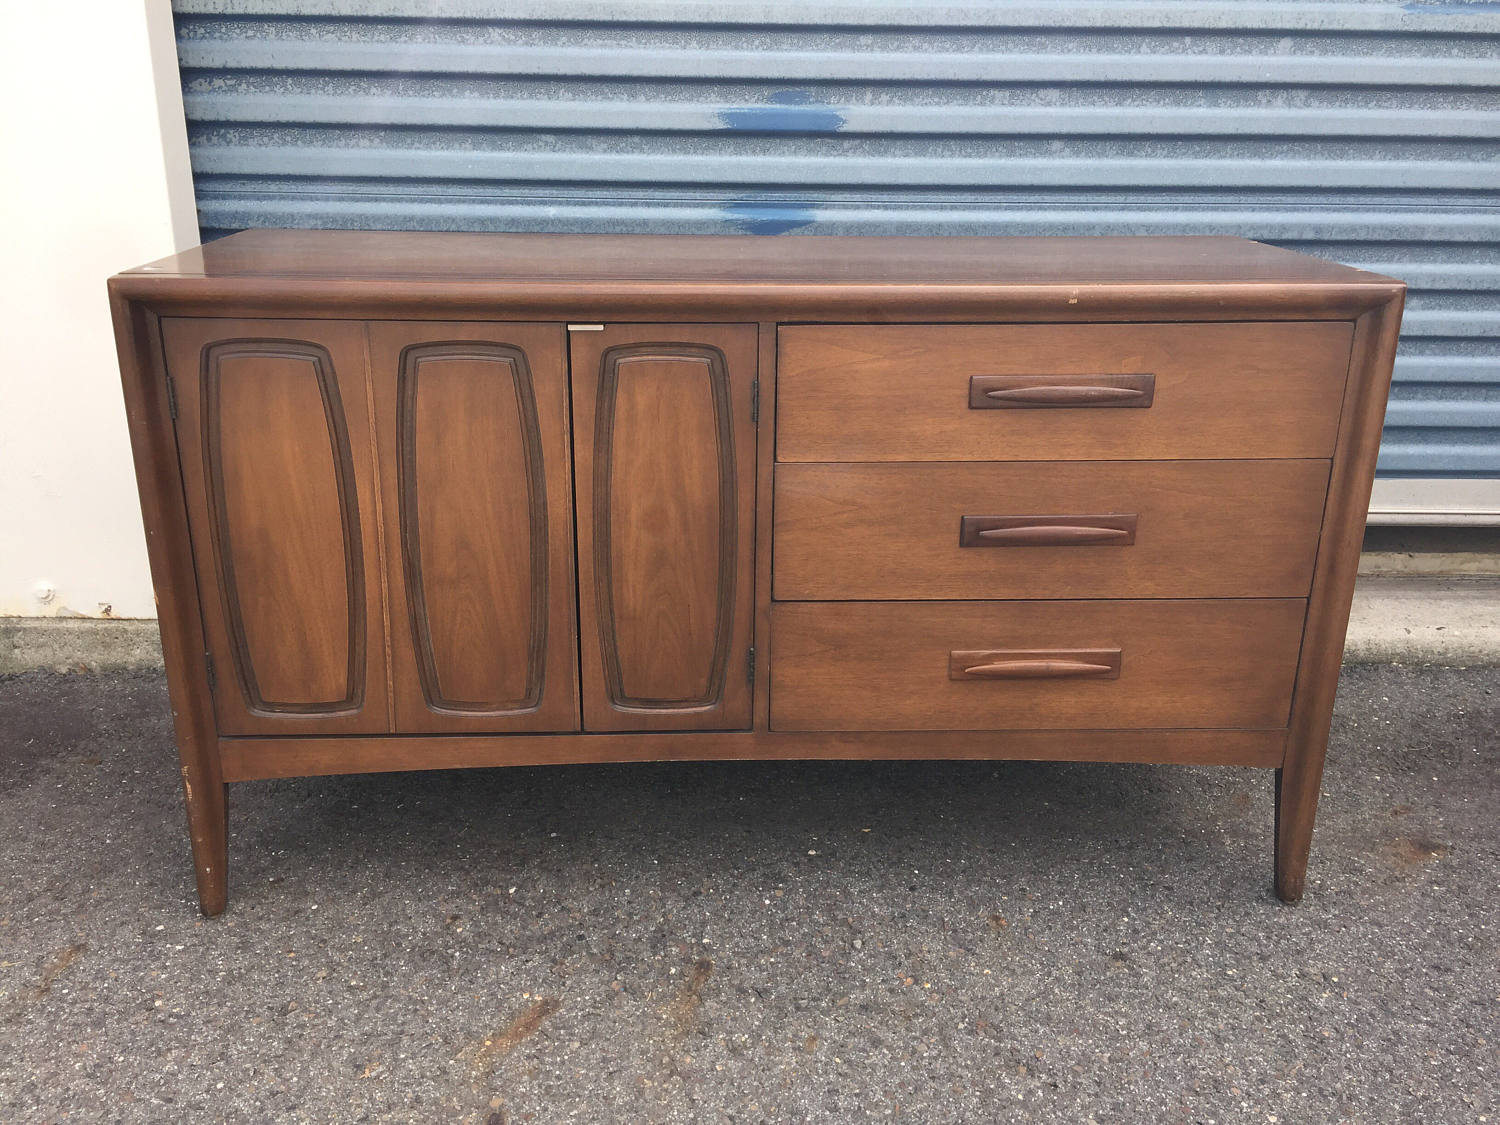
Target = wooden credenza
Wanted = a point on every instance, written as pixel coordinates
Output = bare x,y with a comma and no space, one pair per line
437,500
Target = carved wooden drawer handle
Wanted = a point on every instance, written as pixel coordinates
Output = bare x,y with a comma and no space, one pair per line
1051,536
1036,669
1022,392
1065,395
1035,664
1047,531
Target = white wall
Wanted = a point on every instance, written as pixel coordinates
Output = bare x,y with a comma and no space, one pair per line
96,180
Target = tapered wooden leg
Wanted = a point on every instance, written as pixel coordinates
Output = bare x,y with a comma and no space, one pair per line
1301,774
149,411
208,826
1297,786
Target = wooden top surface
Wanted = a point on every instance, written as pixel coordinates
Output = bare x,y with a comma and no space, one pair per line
732,260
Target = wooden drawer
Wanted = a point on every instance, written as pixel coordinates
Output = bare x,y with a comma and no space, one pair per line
1083,529
903,392
891,665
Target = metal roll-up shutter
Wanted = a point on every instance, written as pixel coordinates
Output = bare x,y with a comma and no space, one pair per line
1365,132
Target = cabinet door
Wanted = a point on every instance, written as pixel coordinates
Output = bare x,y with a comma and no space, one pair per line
664,444
277,463
472,428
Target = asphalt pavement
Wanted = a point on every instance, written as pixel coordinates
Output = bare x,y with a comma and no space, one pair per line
753,942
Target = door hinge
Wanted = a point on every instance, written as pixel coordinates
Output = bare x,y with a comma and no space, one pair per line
208,666
750,665
171,396
755,400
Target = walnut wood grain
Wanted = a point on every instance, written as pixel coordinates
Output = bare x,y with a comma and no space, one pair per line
1299,780
665,470
1266,366
1047,531
885,665
472,424
278,466
901,392
1059,392
893,531
148,413
435,275
251,759
276,450
765,475
411,256
1035,664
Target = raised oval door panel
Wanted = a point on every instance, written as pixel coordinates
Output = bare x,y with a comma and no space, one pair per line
472,424
277,463
664,442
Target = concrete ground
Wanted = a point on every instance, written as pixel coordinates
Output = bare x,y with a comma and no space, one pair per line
743,943
1409,619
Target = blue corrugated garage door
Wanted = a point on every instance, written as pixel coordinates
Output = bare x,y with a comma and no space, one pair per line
1365,132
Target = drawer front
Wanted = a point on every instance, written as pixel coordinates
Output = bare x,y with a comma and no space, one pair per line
1033,665
1043,392
1083,529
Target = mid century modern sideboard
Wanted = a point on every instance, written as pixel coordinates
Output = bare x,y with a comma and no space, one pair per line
436,500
